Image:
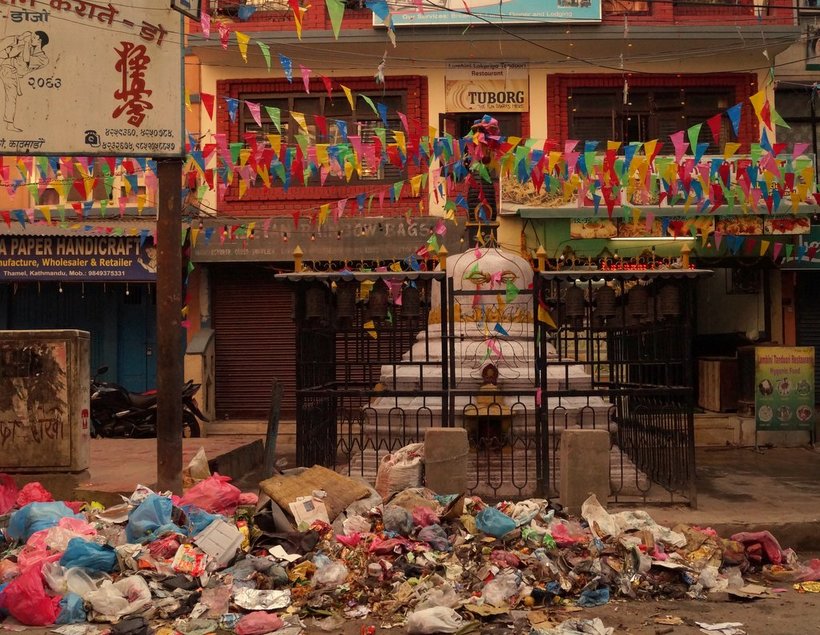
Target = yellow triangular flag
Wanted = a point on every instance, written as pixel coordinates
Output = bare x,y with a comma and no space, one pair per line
243,187
322,157
45,210
275,141
370,327
140,203
300,120
349,95
729,150
242,42
764,247
194,235
324,210
187,99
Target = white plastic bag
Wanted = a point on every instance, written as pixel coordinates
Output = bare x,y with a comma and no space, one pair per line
400,470
438,619
116,599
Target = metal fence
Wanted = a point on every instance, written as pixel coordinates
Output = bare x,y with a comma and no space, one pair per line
382,357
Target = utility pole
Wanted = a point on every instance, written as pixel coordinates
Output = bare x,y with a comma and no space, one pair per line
169,334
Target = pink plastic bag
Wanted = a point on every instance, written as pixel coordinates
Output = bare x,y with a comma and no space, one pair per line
258,623
760,544
214,494
8,493
33,493
26,600
248,498
34,558
424,516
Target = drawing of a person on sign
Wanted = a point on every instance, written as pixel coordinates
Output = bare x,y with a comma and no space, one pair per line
20,55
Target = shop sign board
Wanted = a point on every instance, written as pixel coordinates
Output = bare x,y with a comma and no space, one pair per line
488,12
487,87
77,258
784,387
91,78
371,238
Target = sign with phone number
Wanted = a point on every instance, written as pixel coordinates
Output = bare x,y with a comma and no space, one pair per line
77,258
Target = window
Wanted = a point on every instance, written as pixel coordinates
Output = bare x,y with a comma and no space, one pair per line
363,123
795,106
642,114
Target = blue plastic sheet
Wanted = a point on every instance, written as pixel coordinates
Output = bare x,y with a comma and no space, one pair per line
493,522
89,555
72,610
198,519
35,517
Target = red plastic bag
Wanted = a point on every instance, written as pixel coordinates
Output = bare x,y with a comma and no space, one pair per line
33,493
258,623
214,494
26,600
8,493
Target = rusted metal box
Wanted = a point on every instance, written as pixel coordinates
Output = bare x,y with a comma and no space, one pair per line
44,401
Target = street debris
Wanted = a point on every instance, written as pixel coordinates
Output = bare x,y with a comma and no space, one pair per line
317,549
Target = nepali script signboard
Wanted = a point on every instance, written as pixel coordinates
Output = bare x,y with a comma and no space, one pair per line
91,78
784,387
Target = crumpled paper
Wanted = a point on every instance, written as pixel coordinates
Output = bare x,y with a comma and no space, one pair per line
256,600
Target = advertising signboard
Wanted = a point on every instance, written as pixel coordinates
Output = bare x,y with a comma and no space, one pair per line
87,78
487,86
784,387
77,258
487,12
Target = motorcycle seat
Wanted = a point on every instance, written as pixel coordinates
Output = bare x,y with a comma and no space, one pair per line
143,401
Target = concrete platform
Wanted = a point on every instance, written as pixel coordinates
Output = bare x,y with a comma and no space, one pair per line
118,465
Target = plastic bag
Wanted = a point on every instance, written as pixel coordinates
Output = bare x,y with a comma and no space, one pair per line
397,519
123,597
35,557
33,493
436,537
58,537
72,609
593,597
332,574
35,517
215,495
8,493
500,589
197,519
26,600
197,470
437,619
443,595
400,470
150,519
493,522
8,570
258,623
89,555
423,516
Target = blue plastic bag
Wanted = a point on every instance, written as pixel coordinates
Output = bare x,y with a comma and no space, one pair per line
35,517
89,555
198,519
150,519
493,522
593,597
72,610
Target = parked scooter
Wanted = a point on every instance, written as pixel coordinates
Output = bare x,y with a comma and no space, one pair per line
117,412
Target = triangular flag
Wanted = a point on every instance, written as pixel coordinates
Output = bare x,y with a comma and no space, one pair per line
242,42
208,101
287,66
265,52
336,12
349,95
305,72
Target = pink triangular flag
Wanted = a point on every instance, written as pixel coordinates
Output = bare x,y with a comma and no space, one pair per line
205,24
254,108
305,77
679,143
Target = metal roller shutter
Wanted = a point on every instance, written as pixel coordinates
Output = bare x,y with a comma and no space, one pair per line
255,342
808,319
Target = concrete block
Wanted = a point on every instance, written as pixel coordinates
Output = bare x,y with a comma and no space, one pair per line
445,460
584,467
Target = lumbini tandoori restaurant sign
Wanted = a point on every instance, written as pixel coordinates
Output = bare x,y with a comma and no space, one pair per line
784,387
487,87
77,258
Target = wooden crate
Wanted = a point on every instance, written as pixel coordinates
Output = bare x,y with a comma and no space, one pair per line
717,383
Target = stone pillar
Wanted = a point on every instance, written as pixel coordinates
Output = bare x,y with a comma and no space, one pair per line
445,460
584,467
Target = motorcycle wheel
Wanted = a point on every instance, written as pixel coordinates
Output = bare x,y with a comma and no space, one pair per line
190,425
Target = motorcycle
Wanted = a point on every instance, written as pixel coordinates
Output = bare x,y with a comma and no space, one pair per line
118,412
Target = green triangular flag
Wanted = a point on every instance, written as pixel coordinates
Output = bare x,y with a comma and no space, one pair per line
789,248
108,181
103,206
778,120
756,152
303,140
693,133
235,149
275,116
265,52
33,191
397,189
201,191
512,292
336,11
371,104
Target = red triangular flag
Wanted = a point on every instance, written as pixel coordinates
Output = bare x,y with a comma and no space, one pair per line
208,101
714,126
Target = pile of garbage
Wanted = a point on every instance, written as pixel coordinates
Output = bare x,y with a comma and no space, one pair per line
316,548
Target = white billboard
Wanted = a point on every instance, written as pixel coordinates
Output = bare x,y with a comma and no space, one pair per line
86,78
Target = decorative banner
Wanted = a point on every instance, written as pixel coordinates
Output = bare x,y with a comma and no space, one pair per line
784,387
487,87
77,258
508,12
127,102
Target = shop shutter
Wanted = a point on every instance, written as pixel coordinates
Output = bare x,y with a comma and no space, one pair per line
808,320
255,342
